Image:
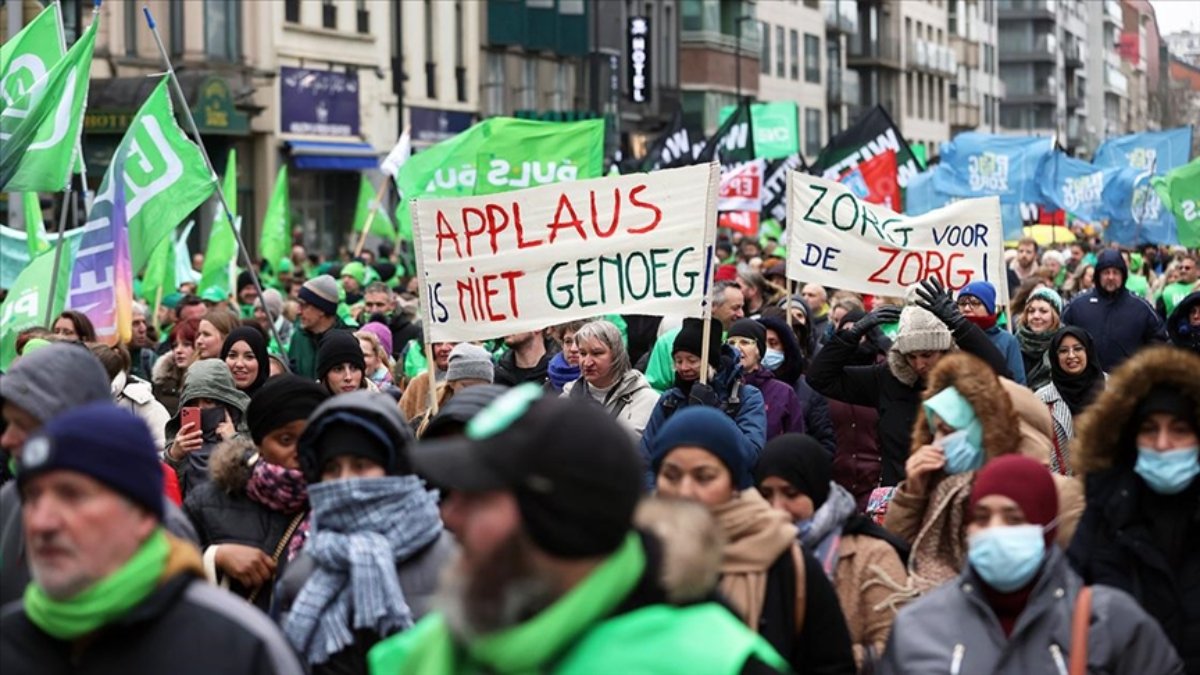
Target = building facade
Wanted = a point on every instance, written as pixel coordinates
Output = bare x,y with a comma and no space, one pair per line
718,58
1108,95
977,90
792,68
843,90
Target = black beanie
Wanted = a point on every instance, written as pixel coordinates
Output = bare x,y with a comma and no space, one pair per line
338,347
801,461
1169,400
243,280
749,328
691,340
282,400
355,440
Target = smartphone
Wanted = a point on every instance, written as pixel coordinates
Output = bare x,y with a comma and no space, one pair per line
190,415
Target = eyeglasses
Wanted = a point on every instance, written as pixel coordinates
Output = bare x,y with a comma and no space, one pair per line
969,302
1077,349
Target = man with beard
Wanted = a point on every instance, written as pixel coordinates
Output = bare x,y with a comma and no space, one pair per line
379,304
553,577
318,316
526,361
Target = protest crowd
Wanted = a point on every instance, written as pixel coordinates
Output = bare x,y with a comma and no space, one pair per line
660,442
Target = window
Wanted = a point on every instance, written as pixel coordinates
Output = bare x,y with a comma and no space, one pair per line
291,11
812,58
132,14
764,53
794,52
430,63
941,101
921,96
987,109
835,120
494,85
222,29
908,94
329,15
667,57
529,84
812,131
559,99
780,59
362,18
460,60
176,20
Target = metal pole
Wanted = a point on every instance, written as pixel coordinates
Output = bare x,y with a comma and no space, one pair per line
58,248
229,217
737,57
16,21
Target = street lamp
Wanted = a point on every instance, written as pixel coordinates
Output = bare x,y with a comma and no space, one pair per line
737,52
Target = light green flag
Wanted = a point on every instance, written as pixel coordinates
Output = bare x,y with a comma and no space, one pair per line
222,245
501,154
382,225
29,56
35,228
275,242
166,178
39,128
1179,191
160,272
25,306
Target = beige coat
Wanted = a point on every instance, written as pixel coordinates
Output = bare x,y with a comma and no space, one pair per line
871,586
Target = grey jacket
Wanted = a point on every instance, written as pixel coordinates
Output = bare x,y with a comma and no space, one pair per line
953,630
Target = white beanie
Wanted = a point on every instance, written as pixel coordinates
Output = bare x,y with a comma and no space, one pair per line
921,331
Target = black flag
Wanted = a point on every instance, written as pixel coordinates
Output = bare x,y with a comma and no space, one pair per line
734,140
672,149
873,134
774,189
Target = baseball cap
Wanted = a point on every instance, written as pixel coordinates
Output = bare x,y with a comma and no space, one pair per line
573,469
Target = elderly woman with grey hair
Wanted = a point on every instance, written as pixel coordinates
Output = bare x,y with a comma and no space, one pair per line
608,378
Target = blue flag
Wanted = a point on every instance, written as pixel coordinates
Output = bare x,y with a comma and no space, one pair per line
981,165
1136,214
1075,186
922,196
1157,151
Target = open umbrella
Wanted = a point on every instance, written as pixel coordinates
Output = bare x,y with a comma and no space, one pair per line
1046,235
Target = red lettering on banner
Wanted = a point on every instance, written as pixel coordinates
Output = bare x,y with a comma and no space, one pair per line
647,206
560,224
521,241
446,232
469,233
616,216
915,266
491,211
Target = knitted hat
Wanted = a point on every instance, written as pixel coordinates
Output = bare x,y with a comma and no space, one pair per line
985,292
272,300
386,271
691,340
338,347
712,430
470,362
749,328
1170,400
725,273
459,410
1024,480
282,400
1052,255
380,331
1050,296
47,381
104,442
356,271
244,279
360,424
921,331
801,461
321,292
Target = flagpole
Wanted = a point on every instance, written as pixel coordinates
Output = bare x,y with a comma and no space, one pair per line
362,240
62,226
229,217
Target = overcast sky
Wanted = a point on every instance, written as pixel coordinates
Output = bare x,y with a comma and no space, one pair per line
1177,15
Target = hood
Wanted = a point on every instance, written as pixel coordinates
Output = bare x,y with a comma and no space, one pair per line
227,465
210,378
793,360
1110,258
164,368
1104,432
691,543
632,381
982,389
1034,421
1181,333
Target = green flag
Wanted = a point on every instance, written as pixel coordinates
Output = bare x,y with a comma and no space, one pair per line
35,228
165,179
382,225
39,129
160,272
30,55
275,243
776,128
500,154
222,245
25,306
1179,191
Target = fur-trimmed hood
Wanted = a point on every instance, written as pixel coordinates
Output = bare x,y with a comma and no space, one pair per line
1104,432
982,389
228,466
692,546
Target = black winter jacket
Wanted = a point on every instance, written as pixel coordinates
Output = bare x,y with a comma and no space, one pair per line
185,627
1120,323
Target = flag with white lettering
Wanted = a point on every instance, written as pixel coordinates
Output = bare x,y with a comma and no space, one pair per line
873,134
733,141
774,190
670,150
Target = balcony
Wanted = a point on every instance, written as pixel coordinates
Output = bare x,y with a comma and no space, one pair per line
1042,48
841,16
843,87
966,51
1044,91
1115,81
1025,9
864,54
1073,54
1112,12
964,115
930,57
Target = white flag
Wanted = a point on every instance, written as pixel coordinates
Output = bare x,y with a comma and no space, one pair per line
396,158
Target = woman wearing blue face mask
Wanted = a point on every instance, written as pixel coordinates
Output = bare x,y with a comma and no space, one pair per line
1137,448
784,414
1011,608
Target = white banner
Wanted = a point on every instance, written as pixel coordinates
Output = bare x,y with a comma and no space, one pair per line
524,260
837,240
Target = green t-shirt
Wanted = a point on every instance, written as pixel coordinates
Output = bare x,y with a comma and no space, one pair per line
1175,293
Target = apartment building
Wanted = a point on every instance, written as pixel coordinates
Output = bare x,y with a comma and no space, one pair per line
718,58
976,92
843,91
1108,95
792,65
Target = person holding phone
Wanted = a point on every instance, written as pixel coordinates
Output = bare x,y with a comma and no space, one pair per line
211,410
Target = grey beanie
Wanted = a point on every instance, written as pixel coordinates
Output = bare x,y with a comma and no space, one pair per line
273,302
53,379
921,331
470,362
321,292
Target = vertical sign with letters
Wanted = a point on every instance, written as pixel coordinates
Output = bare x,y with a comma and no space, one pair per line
639,59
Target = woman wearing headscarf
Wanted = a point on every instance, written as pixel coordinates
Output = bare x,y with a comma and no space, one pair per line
1012,607
376,544
965,420
776,588
1075,381
245,352
340,363
784,358
1039,322
861,559
1137,447
209,387
609,379
251,517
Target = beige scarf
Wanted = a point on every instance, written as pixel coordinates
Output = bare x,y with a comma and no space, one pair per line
755,535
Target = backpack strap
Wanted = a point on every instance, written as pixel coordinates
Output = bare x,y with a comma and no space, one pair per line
1080,621
801,596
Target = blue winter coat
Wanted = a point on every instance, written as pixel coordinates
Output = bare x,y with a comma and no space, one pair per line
1007,343
1120,323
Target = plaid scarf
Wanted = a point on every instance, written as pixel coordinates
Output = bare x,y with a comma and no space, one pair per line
361,529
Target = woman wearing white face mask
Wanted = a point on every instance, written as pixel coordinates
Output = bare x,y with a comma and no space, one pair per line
1137,448
1011,608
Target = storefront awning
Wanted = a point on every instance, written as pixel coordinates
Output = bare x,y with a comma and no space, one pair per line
325,156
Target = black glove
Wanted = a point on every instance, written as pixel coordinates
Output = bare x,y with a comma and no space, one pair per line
935,298
702,394
873,319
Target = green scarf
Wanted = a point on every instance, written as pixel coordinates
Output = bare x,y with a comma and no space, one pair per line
529,647
106,600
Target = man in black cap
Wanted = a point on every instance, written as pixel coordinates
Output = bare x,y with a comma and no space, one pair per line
542,499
